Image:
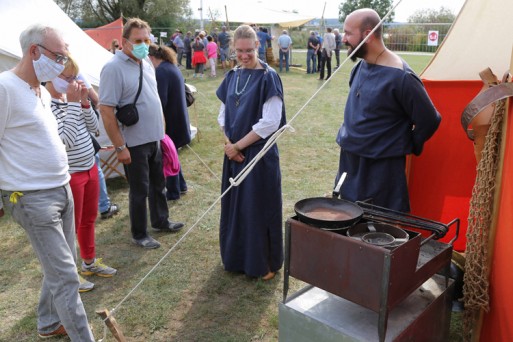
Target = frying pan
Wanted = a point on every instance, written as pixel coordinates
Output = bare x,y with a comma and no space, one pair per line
328,213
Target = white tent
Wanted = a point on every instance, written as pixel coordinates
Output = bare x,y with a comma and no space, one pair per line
481,36
16,15
243,12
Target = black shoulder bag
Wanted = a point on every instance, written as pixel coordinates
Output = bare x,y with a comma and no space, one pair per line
128,114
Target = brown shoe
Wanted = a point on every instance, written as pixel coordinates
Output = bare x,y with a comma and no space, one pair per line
60,331
269,276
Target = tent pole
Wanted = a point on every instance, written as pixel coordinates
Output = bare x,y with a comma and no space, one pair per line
226,15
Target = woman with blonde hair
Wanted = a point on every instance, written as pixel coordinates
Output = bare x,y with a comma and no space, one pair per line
76,120
252,109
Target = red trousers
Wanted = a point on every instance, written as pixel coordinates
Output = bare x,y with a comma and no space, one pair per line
86,191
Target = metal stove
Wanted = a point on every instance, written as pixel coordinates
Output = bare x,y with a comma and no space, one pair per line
373,277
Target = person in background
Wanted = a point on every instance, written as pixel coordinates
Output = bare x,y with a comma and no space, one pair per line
311,54
212,55
388,115
284,43
262,39
198,57
76,121
114,45
319,51
179,45
171,88
252,109
187,41
338,45
137,146
328,45
34,181
224,47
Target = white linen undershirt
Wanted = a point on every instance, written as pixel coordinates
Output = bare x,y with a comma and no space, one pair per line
270,121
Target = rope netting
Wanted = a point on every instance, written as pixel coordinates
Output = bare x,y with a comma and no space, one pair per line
476,284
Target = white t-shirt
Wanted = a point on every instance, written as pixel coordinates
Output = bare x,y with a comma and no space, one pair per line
32,156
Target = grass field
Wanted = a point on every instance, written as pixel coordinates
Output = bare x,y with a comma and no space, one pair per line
189,297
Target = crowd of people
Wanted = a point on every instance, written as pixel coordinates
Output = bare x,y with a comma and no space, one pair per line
53,191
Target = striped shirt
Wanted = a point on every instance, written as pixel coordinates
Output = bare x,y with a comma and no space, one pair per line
74,125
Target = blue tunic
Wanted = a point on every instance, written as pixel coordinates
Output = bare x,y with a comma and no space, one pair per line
250,233
388,115
171,89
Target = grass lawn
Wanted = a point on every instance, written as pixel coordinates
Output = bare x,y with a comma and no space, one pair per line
189,297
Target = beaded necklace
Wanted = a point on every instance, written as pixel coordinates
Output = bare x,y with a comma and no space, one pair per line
237,92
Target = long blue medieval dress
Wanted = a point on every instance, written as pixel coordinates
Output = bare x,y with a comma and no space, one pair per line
250,233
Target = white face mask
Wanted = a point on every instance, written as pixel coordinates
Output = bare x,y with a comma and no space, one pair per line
46,69
60,85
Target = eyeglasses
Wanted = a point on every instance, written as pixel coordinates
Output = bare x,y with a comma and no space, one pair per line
247,52
58,57
146,41
68,79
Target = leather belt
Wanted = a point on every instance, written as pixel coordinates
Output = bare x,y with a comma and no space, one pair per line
483,100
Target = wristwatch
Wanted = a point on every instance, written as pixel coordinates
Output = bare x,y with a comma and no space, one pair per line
120,148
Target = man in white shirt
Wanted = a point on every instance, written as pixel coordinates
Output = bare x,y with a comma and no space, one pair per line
34,180
328,45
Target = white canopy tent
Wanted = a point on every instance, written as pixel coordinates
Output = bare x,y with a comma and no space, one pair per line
480,36
16,15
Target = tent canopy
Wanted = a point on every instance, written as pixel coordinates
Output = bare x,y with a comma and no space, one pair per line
16,15
251,13
104,35
480,37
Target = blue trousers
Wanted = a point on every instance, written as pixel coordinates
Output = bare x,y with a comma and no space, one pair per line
284,55
311,57
104,201
47,216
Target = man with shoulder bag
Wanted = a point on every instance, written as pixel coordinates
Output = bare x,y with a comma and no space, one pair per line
128,78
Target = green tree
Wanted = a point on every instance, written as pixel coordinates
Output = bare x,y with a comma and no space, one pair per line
428,16
380,6
158,13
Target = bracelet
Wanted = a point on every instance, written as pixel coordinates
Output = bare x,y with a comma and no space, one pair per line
88,105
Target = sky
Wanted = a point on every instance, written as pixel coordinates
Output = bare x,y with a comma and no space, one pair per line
315,7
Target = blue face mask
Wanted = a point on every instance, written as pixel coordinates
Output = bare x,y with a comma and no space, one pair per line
140,51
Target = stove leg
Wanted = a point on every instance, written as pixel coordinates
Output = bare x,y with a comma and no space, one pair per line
286,266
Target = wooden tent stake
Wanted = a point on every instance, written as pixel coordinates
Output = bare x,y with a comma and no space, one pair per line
112,325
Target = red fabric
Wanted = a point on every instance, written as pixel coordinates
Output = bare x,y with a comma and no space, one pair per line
498,323
86,191
104,35
440,180
198,58
170,161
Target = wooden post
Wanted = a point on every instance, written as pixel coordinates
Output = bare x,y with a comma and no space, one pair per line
112,325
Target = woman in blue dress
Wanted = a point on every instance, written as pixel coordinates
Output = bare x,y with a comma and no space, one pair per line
252,110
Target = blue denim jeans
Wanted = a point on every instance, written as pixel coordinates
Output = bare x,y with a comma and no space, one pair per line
47,216
104,202
311,57
284,55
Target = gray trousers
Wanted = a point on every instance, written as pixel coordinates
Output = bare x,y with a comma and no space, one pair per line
47,216
147,184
